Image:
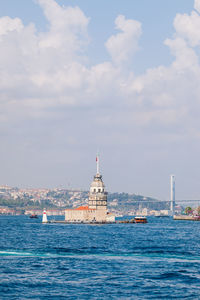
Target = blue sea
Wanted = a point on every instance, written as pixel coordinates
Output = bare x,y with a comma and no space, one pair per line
157,260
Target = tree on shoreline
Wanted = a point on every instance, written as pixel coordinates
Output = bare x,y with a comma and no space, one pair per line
198,210
188,210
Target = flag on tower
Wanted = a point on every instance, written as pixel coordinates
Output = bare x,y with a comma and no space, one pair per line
97,161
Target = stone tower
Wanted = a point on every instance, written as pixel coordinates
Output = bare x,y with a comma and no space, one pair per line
98,195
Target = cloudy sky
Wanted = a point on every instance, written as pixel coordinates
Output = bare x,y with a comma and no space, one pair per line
118,77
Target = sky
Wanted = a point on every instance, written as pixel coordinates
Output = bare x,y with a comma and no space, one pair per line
118,77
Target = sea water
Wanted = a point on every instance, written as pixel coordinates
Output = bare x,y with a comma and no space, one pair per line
157,260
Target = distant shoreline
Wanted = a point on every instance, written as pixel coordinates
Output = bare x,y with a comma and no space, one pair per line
186,218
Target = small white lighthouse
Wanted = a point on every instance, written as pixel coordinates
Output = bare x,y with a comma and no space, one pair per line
44,217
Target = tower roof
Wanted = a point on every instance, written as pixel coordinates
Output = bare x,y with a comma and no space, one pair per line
97,182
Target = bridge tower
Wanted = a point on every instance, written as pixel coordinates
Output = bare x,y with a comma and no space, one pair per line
172,198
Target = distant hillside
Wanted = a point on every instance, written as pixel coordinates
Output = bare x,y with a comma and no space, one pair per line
62,198
126,202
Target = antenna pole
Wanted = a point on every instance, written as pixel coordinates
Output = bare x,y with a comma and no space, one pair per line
97,160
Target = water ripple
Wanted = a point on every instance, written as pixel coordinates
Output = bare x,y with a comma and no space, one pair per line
160,260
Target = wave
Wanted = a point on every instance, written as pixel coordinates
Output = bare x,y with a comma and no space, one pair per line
55,253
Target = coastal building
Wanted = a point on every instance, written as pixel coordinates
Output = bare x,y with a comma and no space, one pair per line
96,211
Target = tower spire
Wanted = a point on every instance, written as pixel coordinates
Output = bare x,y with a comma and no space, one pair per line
97,161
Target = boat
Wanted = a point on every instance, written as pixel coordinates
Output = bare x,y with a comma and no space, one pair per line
140,220
33,216
123,221
162,216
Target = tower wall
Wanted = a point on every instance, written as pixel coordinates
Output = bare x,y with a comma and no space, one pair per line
85,215
97,195
96,211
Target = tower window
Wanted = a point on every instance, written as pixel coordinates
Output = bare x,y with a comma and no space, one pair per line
99,190
95,190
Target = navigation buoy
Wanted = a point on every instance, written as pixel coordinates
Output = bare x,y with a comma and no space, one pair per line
44,217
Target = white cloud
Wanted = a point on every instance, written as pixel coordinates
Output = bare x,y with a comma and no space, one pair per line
170,95
67,28
197,5
51,99
187,27
46,66
123,45
7,25
42,71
